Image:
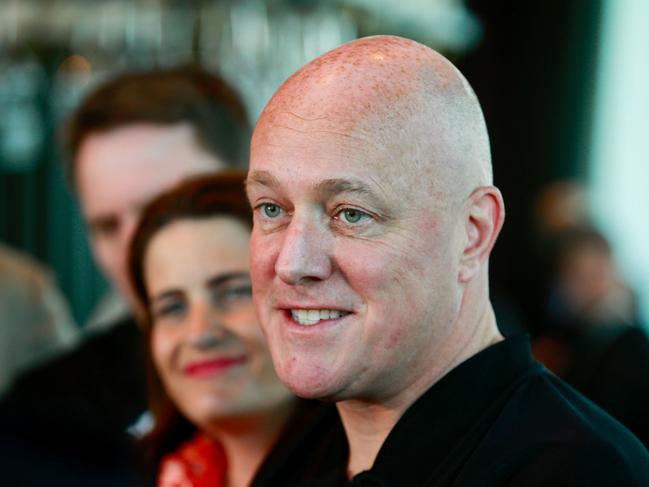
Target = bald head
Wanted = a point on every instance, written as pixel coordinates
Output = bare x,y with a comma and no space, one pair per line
370,182
401,96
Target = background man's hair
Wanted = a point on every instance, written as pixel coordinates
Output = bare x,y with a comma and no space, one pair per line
187,94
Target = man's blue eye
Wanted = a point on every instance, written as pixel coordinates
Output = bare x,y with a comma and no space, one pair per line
270,210
351,215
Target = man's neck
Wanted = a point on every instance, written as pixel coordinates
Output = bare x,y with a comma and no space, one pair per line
368,423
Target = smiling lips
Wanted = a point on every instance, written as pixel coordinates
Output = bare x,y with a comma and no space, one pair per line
309,317
205,368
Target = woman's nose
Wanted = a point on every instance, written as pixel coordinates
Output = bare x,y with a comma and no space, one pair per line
205,327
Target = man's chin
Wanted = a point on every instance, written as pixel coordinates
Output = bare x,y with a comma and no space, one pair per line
309,387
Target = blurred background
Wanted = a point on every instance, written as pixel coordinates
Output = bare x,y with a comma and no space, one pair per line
563,85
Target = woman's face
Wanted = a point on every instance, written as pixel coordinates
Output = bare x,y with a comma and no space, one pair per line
206,343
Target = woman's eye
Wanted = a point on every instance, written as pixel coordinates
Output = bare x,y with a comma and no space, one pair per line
237,292
232,297
171,309
270,210
351,215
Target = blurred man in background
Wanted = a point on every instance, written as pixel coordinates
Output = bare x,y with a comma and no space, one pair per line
35,322
589,333
132,138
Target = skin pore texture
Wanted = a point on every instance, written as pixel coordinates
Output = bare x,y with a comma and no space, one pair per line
370,180
206,343
120,170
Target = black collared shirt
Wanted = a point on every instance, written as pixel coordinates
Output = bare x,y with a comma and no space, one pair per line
497,419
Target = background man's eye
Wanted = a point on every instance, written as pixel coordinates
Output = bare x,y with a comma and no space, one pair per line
353,216
104,227
169,309
271,210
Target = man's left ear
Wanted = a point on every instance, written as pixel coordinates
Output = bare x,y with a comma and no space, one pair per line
485,215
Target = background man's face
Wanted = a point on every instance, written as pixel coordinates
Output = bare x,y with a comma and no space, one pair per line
354,269
119,171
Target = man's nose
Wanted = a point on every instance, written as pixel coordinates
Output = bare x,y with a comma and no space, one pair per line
305,253
128,224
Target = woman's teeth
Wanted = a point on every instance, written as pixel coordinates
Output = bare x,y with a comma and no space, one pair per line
310,317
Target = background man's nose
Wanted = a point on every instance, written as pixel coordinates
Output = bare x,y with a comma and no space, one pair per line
127,228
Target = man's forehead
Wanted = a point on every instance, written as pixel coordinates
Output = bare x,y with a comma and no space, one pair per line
315,147
324,184
385,107
326,161
381,82
304,126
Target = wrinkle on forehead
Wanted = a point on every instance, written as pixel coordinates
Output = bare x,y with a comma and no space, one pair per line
325,125
399,96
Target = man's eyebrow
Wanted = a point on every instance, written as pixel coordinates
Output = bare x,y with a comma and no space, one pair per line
221,279
166,294
327,188
97,221
262,178
331,187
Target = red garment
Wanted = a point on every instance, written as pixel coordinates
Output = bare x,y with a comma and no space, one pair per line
199,462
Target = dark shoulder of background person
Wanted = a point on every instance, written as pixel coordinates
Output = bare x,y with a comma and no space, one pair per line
104,377
610,366
549,434
70,415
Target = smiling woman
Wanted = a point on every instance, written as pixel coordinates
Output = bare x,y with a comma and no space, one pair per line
217,403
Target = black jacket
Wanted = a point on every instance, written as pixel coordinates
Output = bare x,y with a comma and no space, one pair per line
65,422
498,419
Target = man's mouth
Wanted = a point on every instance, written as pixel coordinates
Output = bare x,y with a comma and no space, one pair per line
310,317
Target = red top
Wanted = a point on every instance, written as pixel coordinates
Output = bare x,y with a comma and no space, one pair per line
199,462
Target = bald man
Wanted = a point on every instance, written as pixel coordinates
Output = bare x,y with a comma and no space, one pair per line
374,217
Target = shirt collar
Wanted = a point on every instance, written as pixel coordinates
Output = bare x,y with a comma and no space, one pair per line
434,427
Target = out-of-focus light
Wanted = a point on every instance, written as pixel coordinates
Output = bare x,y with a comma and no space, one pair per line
619,169
76,65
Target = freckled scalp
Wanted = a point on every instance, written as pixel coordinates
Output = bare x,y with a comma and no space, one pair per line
398,94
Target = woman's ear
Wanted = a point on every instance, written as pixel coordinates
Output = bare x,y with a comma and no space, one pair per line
485,214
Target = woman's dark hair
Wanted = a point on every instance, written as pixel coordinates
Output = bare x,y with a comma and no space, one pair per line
209,196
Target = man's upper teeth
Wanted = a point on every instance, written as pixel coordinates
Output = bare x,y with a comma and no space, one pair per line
312,316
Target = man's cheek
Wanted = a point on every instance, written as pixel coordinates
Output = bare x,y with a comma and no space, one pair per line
104,258
261,260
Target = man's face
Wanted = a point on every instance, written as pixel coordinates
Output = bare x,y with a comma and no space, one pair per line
354,264
119,171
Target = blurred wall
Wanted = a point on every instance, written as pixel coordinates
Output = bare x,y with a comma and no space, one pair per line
532,65
619,175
